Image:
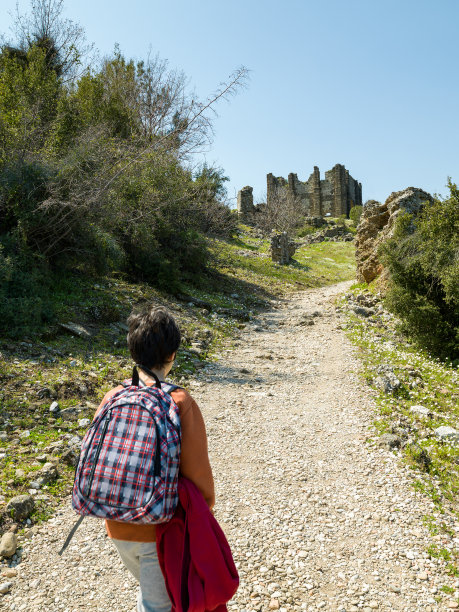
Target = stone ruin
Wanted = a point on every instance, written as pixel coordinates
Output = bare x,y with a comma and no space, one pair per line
282,248
337,233
332,196
315,198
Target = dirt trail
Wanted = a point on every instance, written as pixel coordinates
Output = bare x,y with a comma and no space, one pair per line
318,519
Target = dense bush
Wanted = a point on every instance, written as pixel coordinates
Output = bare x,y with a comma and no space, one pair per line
423,261
24,289
95,169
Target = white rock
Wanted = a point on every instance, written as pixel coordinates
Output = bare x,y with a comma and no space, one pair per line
447,433
8,544
421,410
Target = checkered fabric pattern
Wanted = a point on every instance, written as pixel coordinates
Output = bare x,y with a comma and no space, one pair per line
130,456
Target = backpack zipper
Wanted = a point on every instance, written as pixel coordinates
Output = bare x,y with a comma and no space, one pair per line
99,446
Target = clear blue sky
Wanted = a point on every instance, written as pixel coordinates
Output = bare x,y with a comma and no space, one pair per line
371,84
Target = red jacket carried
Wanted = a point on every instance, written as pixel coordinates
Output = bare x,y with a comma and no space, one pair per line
195,557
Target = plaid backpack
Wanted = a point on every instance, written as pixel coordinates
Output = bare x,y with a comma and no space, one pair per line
129,461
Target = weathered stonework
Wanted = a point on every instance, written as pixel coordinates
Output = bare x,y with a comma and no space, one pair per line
335,195
336,233
245,205
282,248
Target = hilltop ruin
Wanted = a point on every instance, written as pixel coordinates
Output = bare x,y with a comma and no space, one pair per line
333,196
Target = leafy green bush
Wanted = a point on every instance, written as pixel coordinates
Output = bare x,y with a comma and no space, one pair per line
354,214
24,289
306,230
423,261
23,185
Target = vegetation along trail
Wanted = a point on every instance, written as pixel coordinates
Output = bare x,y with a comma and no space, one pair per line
317,516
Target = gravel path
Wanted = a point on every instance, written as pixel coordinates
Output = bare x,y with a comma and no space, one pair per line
318,518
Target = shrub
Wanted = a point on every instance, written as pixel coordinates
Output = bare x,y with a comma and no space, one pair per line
24,289
306,230
423,261
354,214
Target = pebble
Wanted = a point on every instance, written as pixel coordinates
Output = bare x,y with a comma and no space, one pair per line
54,407
5,587
10,573
423,576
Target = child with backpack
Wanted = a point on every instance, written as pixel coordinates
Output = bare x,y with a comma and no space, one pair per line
153,341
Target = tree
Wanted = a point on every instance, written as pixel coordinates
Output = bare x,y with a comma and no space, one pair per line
96,172
29,94
62,40
211,181
282,212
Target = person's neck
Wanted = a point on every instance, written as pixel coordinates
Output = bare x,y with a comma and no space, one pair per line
161,374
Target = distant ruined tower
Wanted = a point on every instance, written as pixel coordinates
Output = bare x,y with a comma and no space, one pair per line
245,206
315,194
333,196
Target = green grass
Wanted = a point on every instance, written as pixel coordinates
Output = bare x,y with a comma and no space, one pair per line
247,259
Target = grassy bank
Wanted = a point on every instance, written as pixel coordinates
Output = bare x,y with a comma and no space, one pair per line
427,398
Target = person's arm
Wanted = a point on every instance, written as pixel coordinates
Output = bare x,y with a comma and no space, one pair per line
194,459
107,396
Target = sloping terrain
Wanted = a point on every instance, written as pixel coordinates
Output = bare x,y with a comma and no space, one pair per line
318,515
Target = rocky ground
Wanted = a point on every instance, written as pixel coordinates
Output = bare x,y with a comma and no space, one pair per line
319,517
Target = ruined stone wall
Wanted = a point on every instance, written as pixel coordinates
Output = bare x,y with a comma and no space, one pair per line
335,195
282,248
245,206
327,190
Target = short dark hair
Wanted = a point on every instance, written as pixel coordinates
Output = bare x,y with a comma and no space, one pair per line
153,336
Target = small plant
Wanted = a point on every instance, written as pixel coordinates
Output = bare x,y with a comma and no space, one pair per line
306,230
355,213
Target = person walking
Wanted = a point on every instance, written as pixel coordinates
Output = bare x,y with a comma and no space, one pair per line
153,340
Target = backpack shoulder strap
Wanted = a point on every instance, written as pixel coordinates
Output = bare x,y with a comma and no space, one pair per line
70,535
136,382
169,388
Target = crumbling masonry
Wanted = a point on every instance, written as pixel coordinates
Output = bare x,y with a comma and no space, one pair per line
333,196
